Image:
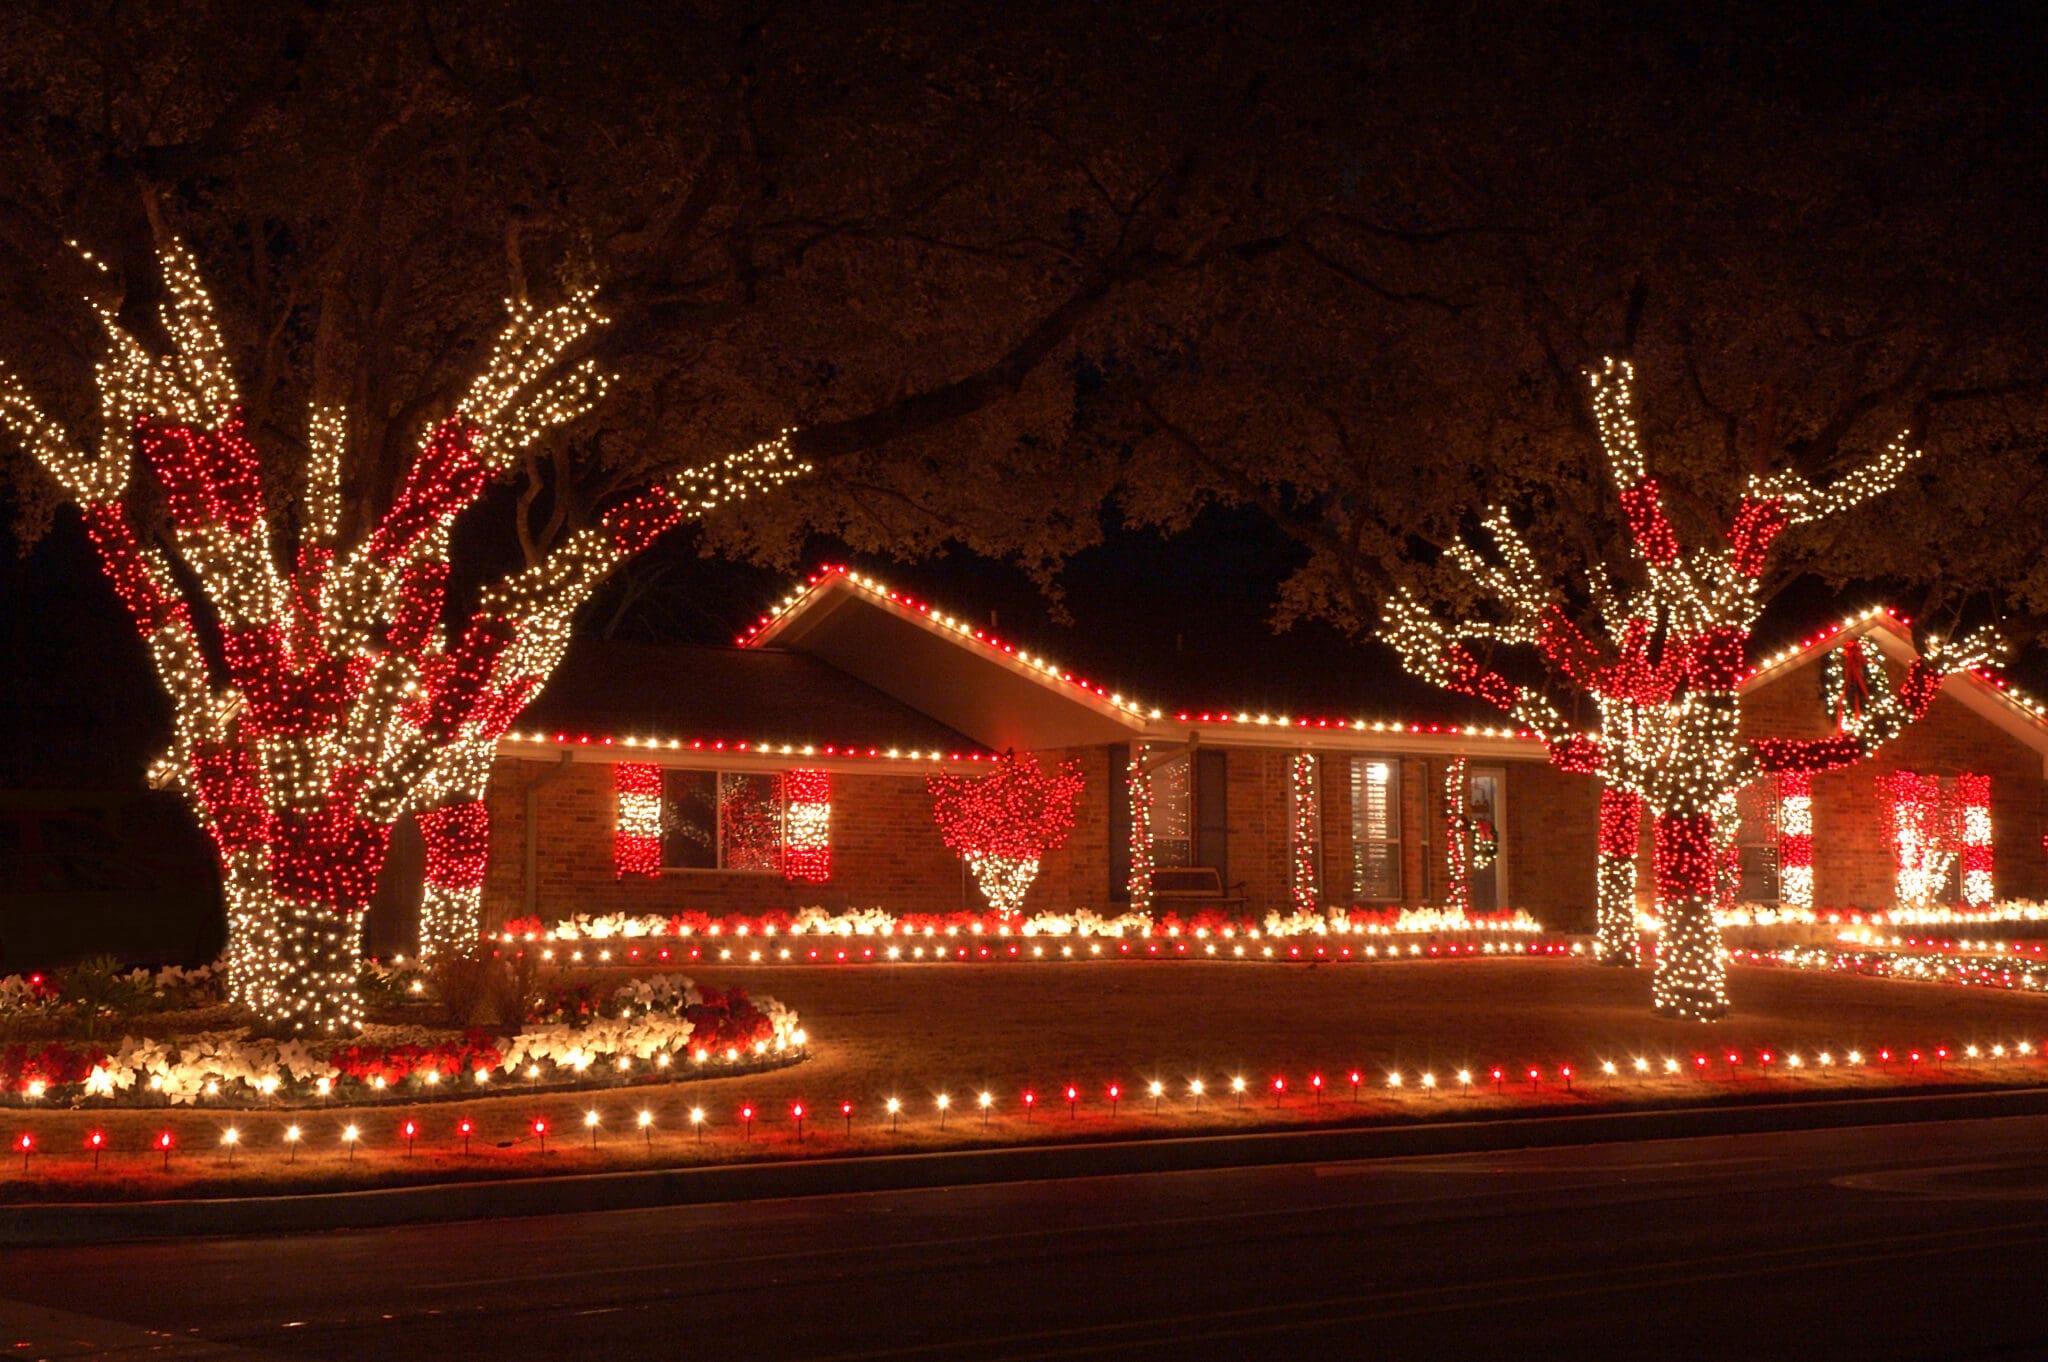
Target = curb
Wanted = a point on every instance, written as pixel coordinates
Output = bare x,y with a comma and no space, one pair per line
53,1223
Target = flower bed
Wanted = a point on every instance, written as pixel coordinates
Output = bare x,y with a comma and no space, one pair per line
2007,913
645,1029
1204,925
1912,966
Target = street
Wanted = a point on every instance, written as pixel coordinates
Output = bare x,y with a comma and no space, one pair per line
1905,1241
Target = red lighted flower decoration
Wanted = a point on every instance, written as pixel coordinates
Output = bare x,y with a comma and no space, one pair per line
1004,823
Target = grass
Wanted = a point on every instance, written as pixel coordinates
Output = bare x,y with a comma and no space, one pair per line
914,1032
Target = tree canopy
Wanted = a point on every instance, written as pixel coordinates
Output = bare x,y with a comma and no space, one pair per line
1346,267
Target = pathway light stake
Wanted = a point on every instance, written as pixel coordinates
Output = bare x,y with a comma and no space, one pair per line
697,1120
94,1142
1279,1087
163,1142
1357,1079
1115,1093
1465,1081
797,1112
945,1104
1237,1087
1499,1081
540,1130
1195,1091
1534,1075
647,1128
1429,1085
1030,1100
465,1128
26,1143
411,1131
1073,1100
229,1138
987,1100
1157,1090
846,1111
291,1142
1316,1081
349,1135
590,1124
747,1118
895,1106
1567,1072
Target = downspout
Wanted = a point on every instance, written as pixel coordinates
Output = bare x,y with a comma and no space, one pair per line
529,877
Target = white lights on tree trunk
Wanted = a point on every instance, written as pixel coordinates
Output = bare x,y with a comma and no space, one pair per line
340,701
1661,652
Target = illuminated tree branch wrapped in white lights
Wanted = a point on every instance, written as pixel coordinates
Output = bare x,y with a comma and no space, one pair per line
1662,664
1003,823
342,702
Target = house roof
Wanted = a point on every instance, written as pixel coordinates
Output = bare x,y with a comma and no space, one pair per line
1008,696
726,699
1985,694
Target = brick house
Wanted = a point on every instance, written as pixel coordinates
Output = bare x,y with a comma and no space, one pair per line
789,771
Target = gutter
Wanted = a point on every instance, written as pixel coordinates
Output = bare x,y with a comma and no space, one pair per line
529,874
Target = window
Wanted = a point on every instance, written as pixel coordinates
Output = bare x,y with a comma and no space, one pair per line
1756,844
1173,829
1375,829
721,820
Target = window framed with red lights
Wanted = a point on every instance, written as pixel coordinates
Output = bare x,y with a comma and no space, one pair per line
688,820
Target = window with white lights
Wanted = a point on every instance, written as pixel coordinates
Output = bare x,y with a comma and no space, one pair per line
1375,829
721,820
1173,813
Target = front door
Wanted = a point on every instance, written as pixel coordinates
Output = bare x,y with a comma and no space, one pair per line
1484,805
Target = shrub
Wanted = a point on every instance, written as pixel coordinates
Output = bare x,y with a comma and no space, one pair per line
98,991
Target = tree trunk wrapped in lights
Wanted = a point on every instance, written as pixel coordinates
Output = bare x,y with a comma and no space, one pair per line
1663,660
1003,823
342,701
1621,833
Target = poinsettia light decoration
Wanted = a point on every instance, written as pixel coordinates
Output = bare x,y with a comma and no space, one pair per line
1003,823
1662,653
334,697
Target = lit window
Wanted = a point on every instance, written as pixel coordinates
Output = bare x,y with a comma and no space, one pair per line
1173,840
1375,829
721,820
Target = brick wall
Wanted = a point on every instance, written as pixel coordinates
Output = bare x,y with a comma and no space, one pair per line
1552,843
886,852
1852,856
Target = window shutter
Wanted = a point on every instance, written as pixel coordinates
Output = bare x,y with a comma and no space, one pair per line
1212,813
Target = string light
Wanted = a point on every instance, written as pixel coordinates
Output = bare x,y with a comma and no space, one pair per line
1305,829
1665,676
1139,788
637,843
1004,822
1457,840
338,705
807,837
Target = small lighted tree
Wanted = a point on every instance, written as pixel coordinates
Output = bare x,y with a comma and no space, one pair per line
1003,823
1663,663
332,699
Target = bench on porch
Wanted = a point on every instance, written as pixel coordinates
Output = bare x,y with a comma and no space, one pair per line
1197,886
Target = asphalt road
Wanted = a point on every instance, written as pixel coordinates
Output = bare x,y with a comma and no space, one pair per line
1921,1241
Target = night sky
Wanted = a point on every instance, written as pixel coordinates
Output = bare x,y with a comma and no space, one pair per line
1182,618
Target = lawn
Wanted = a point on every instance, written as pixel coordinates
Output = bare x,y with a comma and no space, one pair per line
915,1032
